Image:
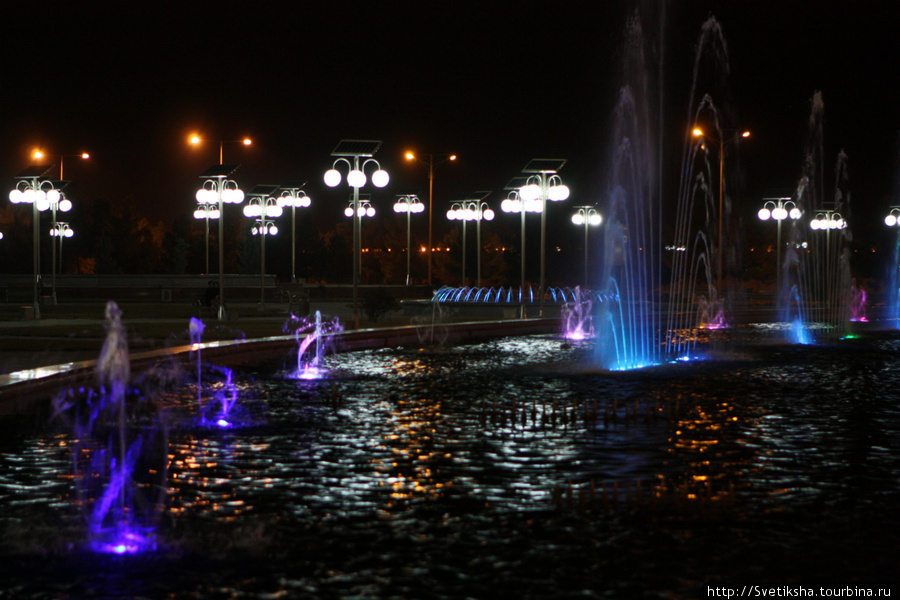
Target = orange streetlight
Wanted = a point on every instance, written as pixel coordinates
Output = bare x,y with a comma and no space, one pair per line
698,132
196,140
431,164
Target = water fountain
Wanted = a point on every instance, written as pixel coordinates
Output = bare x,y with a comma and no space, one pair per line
312,346
114,430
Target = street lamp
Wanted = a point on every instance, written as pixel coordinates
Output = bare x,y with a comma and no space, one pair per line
722,142
893,217
431,164
828,220
778,209
471,209
218,189
262,207
61,230
589,217
32,188
409,204
196,140
350,152
292,195
62,204
543,184
207,208
363,209
513,203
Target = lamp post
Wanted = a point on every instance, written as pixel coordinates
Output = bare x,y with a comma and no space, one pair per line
196,140
218,189
61,230
293,195
363,209
514,203
62,204
471,209
58,202
543,184
431,164
262,207
778,209
32,188
722,142
350,152
589,217
409,204
828,220
207,208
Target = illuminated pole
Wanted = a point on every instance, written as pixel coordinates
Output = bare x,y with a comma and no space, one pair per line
587,216
294,196
474,209
697,132
543,184
263,208
40,193
514,204
350,152
217,188
408,203
209,212
431,165
778,209
63,204
62,231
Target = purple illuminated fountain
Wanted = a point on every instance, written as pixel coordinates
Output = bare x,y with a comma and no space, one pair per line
117,440
578,318
313,336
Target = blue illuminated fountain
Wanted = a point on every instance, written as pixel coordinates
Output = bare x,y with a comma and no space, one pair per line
116,440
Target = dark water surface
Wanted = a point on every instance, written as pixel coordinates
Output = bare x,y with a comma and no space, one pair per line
510,469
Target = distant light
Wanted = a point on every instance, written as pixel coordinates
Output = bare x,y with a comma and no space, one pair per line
452,157
697,132
247,141
195,139
85,155
38,155
746,134
410,156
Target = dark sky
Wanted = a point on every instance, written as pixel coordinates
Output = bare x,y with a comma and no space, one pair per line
497,82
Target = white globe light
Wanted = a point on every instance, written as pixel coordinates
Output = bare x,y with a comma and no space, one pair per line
348,212
69,233
273,229
42,203
764,214
814,224
529,192
468,214
509,205
779,214
65,205
795,213
28,196
199,213
274,211
54,232
15,196
488,214
254,230
214,213
558,192
534,205
578,219
595,219
418,207
451,214
251,210
399,207
201,196
284,201
53,196
890,220
332,177
356,178
304,201
380,178
370,211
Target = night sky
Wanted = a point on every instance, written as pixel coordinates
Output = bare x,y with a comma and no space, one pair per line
496,82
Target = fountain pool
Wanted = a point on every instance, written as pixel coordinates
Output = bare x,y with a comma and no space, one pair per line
504,469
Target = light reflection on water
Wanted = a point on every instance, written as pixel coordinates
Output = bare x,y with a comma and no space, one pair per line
474,447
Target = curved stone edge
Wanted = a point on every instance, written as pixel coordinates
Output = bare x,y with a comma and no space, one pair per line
20,391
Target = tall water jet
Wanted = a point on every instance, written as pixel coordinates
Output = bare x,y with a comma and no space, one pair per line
816,281
628,326
311,346
702,290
